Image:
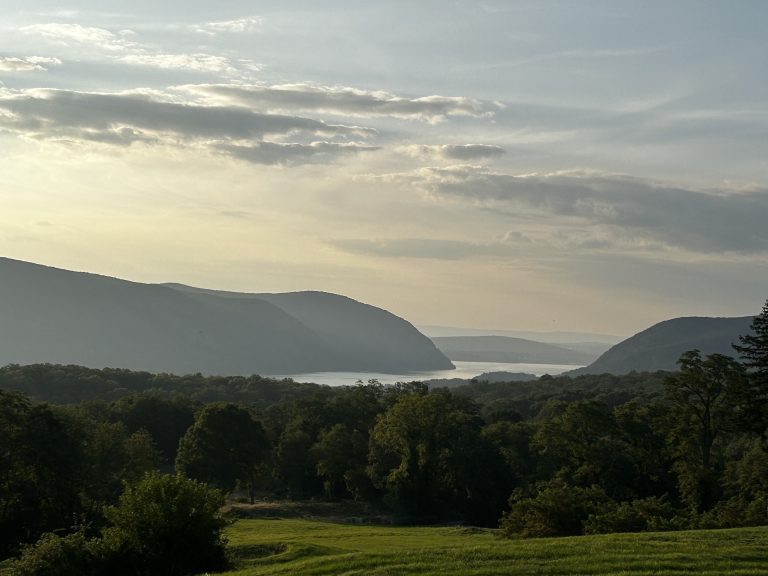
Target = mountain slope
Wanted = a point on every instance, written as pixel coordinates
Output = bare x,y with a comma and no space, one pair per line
58,316
660,346
507,349
364,337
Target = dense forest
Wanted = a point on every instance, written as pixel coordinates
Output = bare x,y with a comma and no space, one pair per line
83,452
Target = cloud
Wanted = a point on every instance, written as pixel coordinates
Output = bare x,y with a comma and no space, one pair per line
126,118
75,33
28,64
240,26
117,46
425,248
50,111
236,214
343,101
464,152
629,209
293,153
196,62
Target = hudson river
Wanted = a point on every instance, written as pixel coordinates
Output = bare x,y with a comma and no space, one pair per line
463,370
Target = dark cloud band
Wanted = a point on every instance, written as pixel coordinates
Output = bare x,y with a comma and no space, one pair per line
697,221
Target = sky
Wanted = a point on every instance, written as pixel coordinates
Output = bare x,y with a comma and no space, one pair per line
593,166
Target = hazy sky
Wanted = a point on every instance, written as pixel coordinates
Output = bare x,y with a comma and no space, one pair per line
541,165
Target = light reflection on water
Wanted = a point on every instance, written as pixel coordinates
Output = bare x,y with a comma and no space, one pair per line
463,370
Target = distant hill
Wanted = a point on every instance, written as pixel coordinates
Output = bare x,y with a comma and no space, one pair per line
556,338
62,317
660,346
508,349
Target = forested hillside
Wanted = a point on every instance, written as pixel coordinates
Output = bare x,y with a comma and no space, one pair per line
660,346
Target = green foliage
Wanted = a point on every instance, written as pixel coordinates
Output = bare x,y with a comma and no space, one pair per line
753,350
166,525
52,555
223,447
39,459
703,397
166,419
340,455
293,464
746,485
556,509
112,457
514,440
59,384
322,448
426,452
654,514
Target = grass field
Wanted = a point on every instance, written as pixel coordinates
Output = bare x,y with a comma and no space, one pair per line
308,547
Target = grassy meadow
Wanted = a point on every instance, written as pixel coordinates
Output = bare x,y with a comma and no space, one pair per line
310,547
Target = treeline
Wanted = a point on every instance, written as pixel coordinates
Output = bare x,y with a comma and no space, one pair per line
59,384
552,457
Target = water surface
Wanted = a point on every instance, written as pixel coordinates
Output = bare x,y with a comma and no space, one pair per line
463,370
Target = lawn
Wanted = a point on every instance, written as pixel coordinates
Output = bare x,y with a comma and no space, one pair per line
308,547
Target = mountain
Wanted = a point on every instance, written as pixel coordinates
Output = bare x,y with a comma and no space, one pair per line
62,317
660,346
508,349
565,339
364,337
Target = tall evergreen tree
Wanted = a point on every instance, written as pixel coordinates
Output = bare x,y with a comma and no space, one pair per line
753,349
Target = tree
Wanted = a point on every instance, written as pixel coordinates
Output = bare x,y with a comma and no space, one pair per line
110,458
753,350
556,509
223,447
429,454
166,419
583,446
703,396
340,457
165,525
39,461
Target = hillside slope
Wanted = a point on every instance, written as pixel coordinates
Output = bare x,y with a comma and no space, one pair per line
362,336
660,346
58,316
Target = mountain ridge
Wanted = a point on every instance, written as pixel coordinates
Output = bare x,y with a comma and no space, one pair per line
661,345
65,317
509,349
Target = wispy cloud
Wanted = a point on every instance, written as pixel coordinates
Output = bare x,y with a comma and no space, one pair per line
66,33
27,64
623,207
123,47
463,152
425,248
294,153
246,25
344,101
197,62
